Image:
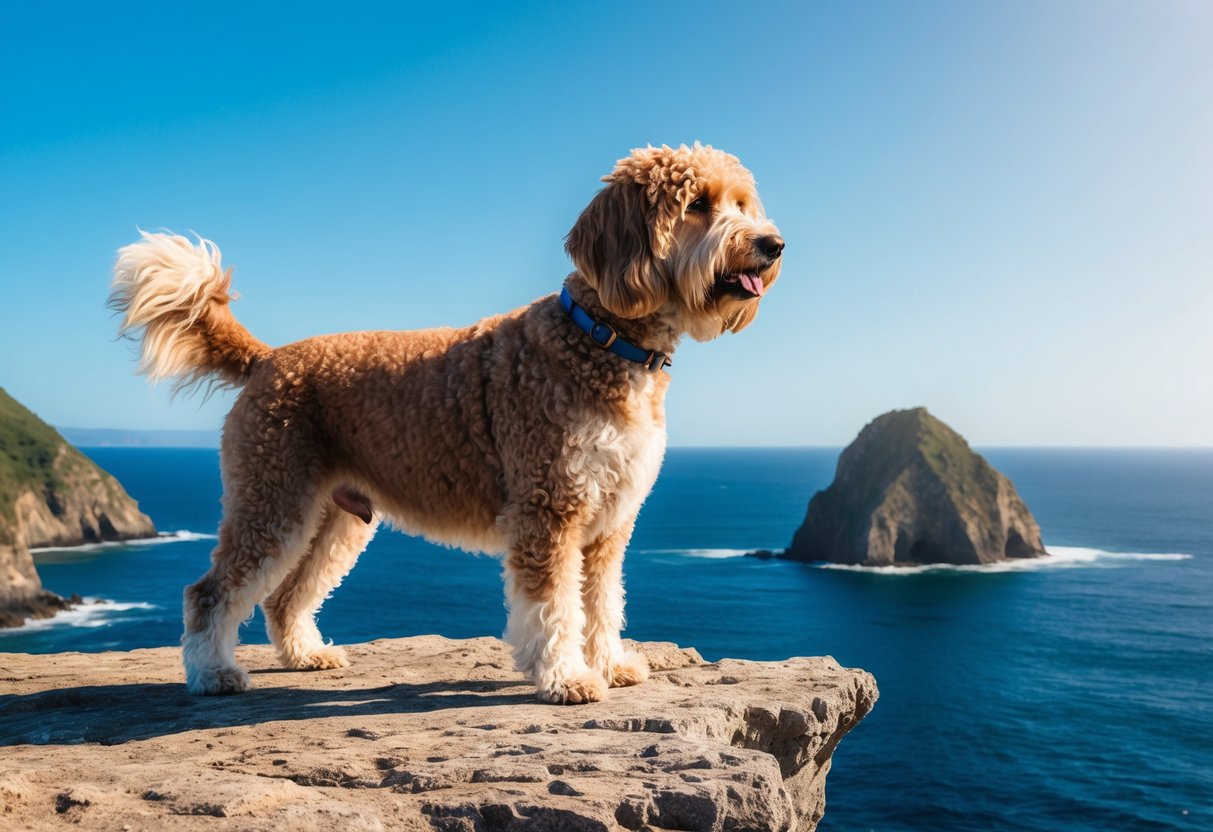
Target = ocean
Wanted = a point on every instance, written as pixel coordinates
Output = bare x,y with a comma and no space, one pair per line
1068,693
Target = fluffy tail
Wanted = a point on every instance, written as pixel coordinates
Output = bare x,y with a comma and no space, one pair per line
174,296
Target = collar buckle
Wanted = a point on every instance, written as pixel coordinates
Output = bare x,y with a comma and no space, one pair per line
657,361
600,331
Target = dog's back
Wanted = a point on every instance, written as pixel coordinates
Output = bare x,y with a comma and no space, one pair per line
404,417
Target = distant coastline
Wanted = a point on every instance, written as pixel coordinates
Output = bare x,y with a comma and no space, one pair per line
122,438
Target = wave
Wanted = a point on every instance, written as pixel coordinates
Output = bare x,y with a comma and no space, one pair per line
699,553
164,537
92,612
1059,557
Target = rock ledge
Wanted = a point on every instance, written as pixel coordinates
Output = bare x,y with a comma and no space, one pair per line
420,733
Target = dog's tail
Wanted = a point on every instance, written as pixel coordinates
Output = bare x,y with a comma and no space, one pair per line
174,295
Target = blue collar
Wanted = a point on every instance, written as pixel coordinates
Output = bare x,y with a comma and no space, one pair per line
605,336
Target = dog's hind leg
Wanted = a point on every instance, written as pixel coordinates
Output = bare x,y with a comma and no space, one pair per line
602,596
271,509
290,611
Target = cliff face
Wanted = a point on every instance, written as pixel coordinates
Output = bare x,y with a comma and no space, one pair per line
50,495
422,733
21,594
910,490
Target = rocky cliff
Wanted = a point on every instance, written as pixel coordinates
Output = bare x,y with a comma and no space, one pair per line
422,733
50,495
910,490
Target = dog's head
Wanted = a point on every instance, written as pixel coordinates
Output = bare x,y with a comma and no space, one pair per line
679,231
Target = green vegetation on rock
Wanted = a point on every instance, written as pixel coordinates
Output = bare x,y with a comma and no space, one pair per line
28,448
50,495
34,457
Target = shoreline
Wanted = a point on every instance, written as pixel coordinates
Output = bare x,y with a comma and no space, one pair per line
44,609
180,536
43,605
87,612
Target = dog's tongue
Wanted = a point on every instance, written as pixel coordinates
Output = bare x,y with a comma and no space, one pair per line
752,283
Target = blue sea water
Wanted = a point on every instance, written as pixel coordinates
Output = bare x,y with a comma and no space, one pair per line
1076,694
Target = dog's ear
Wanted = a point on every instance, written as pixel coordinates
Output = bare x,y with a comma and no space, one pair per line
614,245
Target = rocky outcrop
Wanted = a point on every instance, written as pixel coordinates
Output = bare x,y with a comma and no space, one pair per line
910,490
20,607
50,495
422,733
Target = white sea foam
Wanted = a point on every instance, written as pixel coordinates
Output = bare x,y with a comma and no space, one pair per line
1059,557
699,553
92,612
165,537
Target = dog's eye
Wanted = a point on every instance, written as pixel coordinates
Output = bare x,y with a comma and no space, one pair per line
702,205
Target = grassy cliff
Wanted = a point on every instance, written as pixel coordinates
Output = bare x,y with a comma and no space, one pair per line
28,448
50,495
35,458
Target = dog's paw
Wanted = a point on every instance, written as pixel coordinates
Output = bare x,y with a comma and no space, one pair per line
219,681
322,658
574,690
630,669
328,658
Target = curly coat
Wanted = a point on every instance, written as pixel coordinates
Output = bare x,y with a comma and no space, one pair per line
516,435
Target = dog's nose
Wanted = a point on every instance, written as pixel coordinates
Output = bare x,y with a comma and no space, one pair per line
771,245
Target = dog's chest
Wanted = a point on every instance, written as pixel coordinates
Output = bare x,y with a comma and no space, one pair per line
613,462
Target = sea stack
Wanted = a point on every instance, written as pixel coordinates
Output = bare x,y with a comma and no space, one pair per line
910,490
50,495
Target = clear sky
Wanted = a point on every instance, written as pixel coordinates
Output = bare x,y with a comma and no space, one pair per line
1002,211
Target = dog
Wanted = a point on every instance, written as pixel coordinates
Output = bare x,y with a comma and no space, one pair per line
535,434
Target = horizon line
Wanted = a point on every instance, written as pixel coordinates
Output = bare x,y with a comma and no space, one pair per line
209,440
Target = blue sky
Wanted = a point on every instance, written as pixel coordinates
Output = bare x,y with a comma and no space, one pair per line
1001,211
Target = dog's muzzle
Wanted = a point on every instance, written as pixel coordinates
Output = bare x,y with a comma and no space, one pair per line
747,282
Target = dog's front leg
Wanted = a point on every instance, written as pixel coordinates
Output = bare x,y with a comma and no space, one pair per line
546,622
602,596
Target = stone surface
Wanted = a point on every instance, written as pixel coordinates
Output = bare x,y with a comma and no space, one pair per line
50,495
422,733
910,490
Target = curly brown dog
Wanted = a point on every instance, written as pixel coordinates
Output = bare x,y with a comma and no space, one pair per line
536,434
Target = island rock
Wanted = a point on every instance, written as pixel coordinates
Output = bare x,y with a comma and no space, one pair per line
910,490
